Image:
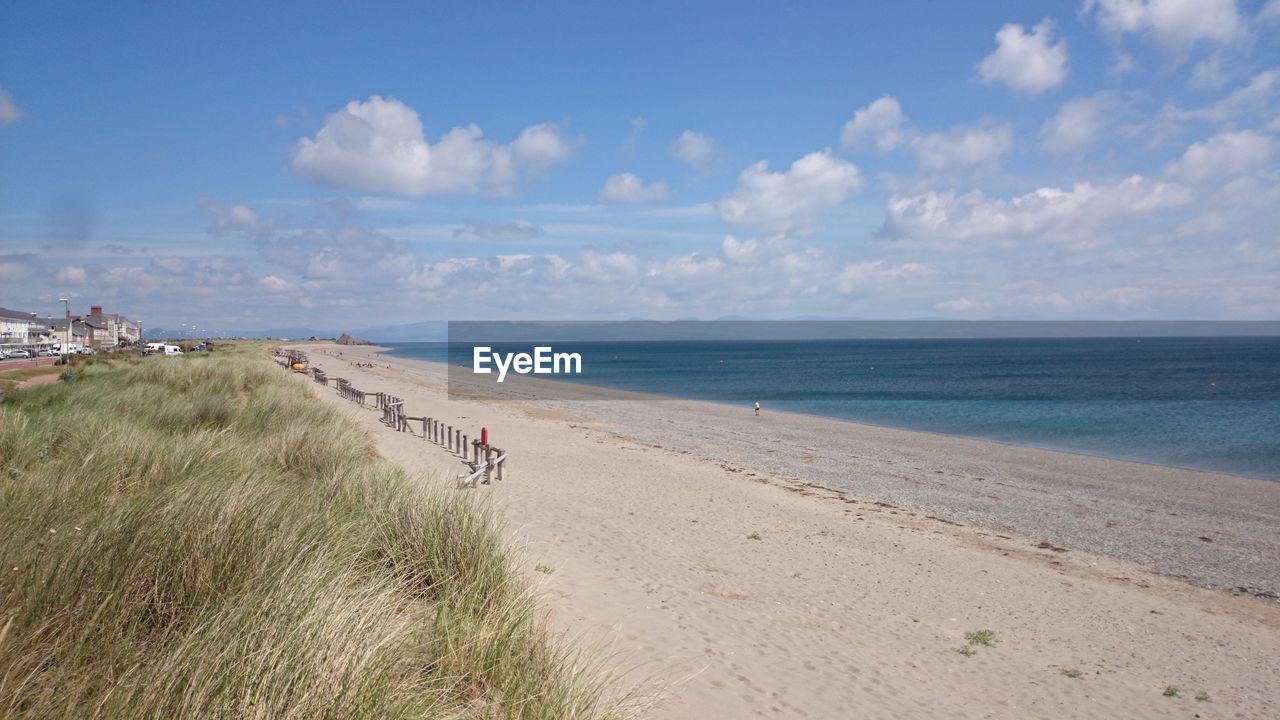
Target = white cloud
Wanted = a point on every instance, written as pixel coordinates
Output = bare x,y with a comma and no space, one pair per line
883,126
630,189
70,275
10,113
235,218
275,285
1048,214
1270,12
869,274
1028,62
1255,101
1255,96
1227,154
1173,23
742,252
609,266
1079,122
877,126
695,149
536,149
379,144
977,147
793,201
693,267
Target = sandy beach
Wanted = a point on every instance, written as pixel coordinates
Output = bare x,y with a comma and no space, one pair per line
790,566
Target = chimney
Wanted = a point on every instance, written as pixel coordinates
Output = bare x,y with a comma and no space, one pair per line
95,310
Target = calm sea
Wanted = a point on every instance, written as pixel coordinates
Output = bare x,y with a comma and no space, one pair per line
1211,403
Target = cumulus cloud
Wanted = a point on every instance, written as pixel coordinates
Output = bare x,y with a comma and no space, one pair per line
10,113
1045,215
793,201
1173,23
1079,122
1028,62
878,126
695,149
743,252
379,144
519,230
1227,154
882,126
630,189
976,147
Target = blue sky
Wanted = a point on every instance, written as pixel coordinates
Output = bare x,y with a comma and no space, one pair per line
338,166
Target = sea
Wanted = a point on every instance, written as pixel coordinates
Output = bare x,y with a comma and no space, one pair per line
1209,403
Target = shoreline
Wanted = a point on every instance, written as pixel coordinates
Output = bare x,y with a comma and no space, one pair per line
746,592
1215,530
391,352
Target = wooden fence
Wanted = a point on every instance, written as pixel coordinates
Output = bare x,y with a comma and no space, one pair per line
482,459
348,391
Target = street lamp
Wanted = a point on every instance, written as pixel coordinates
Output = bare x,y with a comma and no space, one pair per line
66,347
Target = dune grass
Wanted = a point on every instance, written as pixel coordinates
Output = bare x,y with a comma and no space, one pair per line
202,537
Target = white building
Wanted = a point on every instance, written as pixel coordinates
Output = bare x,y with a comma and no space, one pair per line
21,329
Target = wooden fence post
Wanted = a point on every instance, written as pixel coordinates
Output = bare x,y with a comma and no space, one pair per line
488,462
502,463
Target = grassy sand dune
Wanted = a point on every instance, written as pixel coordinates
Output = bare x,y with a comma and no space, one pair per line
200,537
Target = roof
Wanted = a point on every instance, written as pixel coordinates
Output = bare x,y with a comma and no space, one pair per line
15,314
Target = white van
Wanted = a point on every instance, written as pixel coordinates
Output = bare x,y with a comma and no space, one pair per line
172,350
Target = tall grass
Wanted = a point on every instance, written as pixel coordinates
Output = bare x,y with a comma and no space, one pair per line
202,537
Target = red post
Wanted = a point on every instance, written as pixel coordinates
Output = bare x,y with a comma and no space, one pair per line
484,436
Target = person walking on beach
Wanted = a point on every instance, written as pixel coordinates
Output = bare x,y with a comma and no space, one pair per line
757,408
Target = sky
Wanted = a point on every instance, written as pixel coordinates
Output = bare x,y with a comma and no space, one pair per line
239,167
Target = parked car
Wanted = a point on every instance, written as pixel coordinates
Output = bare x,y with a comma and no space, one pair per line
20,353
86,351
172,350
44,353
